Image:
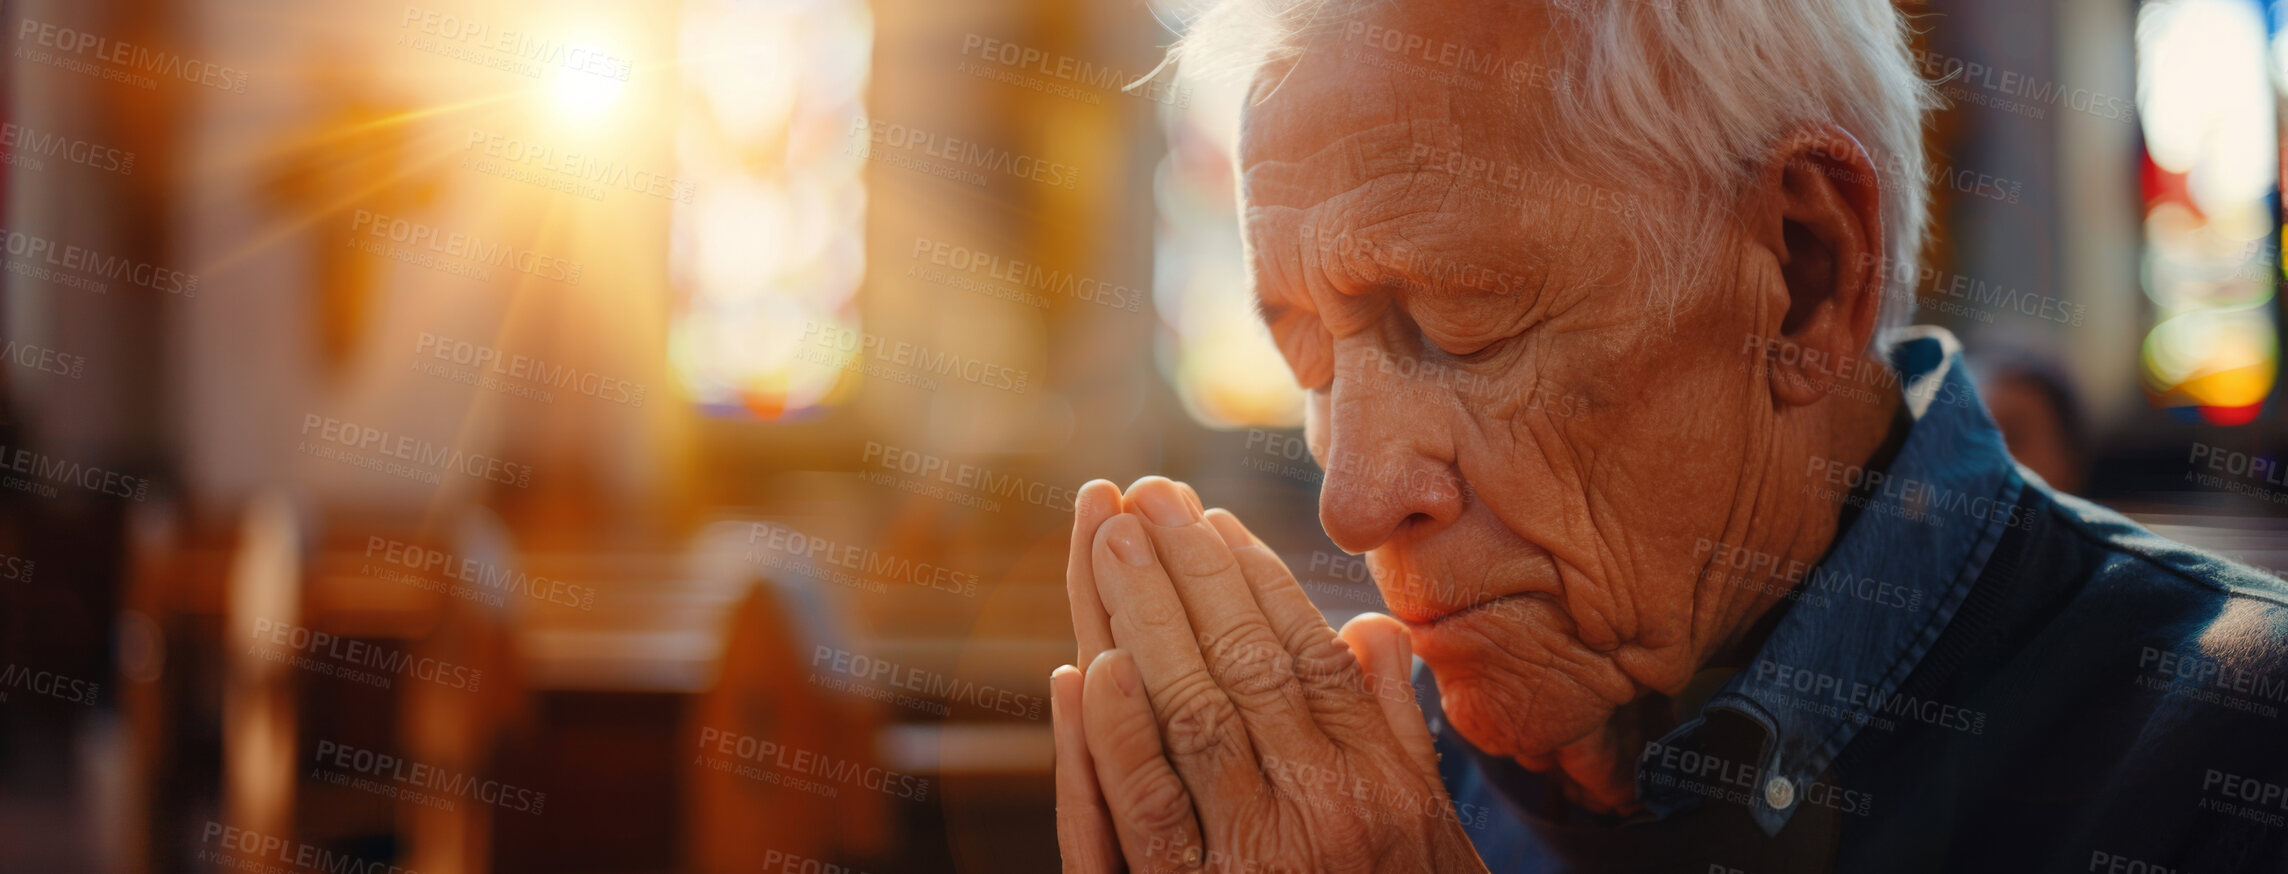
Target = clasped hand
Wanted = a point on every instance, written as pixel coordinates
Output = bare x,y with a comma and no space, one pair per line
1221,724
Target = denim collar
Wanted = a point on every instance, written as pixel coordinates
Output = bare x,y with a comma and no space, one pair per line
1866,614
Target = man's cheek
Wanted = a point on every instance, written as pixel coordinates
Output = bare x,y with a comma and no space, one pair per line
1309,351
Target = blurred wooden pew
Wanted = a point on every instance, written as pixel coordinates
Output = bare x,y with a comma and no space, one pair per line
605,675
224,718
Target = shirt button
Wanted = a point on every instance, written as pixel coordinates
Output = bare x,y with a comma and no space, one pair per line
1779,793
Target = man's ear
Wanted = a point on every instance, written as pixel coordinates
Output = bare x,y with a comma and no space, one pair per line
1824,227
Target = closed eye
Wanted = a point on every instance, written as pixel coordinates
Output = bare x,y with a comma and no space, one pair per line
1302,342
1460,351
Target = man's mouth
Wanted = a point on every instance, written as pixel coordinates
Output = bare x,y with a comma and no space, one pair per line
1423,618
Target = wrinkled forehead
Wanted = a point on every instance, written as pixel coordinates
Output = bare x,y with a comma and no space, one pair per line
1457,85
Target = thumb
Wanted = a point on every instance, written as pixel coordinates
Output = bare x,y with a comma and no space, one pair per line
1382,644
1085,837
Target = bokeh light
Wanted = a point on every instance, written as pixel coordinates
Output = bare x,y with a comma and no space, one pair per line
1214,350
2211,178
768,84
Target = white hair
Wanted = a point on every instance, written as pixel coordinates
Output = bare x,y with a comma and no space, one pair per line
1694,93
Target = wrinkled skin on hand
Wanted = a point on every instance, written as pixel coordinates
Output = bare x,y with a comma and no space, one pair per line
1222,725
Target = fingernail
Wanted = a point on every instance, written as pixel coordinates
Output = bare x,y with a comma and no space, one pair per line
1123,678
1166,507
1234,535
1087,499
1126,538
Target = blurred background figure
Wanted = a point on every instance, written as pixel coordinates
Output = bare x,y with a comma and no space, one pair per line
2040,418
497,435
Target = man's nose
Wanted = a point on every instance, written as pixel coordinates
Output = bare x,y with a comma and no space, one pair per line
1388,459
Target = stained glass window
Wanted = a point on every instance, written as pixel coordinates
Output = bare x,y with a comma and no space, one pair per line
2206,98
768,247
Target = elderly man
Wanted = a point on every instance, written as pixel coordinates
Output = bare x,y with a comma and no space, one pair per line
1716,566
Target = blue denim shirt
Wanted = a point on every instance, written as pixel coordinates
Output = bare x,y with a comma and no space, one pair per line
1981,674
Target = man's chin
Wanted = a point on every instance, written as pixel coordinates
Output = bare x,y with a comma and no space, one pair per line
1499,689
1520,719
